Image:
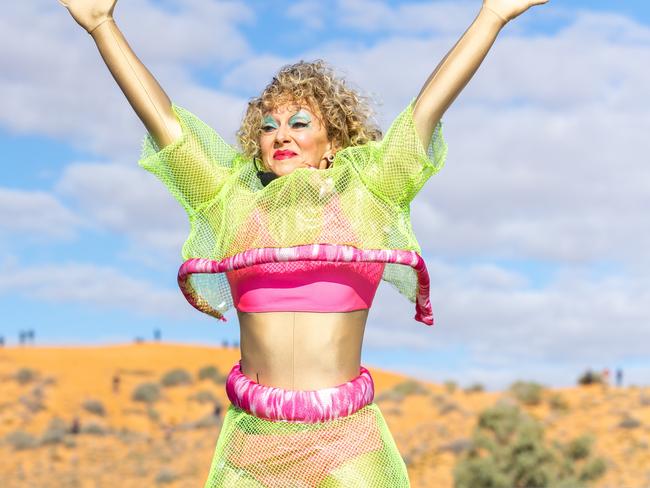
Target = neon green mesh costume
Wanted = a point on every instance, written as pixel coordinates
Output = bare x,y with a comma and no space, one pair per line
360,205
355,211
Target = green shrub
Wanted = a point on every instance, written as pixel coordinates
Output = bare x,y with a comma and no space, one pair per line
93,428
401,390
94,406
475,388
206,422
33,403
55,432
69,442
21,440
629,423
508,450
593,469
558,402
457,446
176,377
166,476
211,373
448,407
147,393
451,386
153,414
411,387
579,448
25,375
590,378
203,396
527,392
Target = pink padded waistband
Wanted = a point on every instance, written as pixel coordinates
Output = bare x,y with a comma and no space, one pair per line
307,406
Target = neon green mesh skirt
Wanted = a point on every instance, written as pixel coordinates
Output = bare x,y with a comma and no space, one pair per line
305,439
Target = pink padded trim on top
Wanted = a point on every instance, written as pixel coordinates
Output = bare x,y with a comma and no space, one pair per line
305,286
306,406
308,252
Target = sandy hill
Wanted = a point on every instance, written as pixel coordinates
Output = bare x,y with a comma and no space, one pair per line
168,438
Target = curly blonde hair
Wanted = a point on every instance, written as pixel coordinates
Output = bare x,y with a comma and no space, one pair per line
346,114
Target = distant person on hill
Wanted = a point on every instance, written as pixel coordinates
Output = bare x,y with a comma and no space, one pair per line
217,410
75,427
157,335
21,337
116,383
619,377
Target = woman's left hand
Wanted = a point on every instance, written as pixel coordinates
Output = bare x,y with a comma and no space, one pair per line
509,9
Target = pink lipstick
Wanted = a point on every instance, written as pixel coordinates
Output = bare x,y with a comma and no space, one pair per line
283,154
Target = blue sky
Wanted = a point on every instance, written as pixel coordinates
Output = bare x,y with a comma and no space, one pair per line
534,232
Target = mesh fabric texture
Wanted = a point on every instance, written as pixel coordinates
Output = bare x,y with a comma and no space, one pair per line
349,452
362,200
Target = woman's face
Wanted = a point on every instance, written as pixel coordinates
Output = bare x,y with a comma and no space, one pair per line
293,136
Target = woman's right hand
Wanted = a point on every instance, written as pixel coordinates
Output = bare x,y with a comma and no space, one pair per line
90,13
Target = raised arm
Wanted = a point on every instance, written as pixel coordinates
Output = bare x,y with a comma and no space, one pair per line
459,65
148,99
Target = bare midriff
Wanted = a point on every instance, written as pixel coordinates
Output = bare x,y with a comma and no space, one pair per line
301,350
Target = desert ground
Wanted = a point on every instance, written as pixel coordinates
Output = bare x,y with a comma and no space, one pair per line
71,417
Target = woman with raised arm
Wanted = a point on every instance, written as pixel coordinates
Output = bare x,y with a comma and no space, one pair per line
295,230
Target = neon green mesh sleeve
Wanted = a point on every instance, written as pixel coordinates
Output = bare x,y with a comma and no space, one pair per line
397,167
195,166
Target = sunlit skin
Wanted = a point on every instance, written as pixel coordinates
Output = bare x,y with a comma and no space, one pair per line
294,137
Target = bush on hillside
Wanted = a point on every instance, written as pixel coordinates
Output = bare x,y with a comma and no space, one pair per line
508,450
451,386
402,390
153,414
55,432
206,422
629,423
211,373
21,440
34,400
203,396
474,388
176,377
558,402
527,392
590,377
94,406
146,393
25,375
579,448
165,476
93,428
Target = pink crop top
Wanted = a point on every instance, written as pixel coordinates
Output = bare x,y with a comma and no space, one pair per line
305,286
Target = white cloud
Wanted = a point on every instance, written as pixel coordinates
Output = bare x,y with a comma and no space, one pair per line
130,202
546,143
406,18
254,74
78,101
93,286
509,329
37,214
